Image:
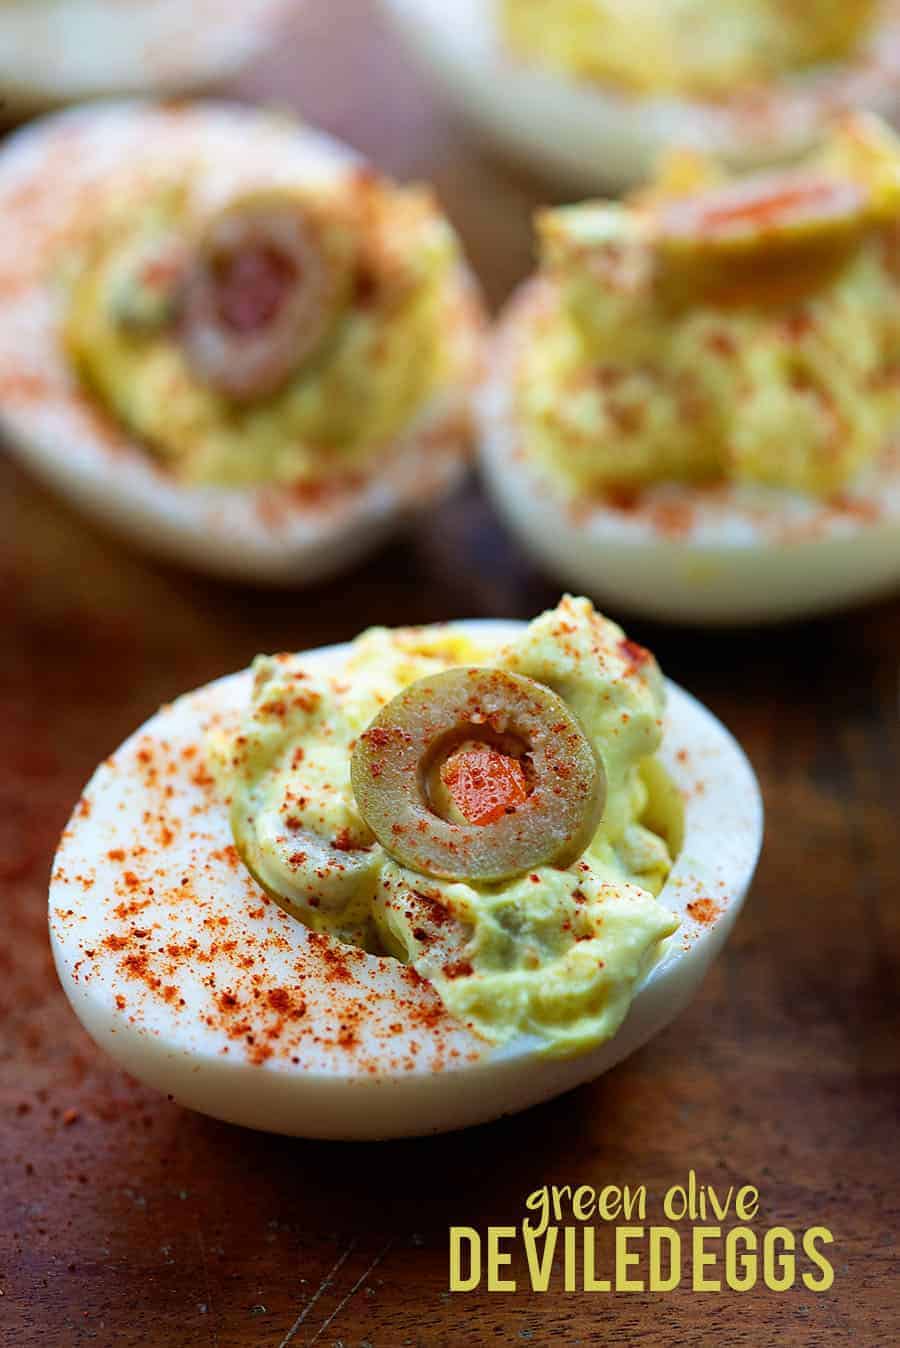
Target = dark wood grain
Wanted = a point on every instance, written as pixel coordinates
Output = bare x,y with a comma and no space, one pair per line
128,1221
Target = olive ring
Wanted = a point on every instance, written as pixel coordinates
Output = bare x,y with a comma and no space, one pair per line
394,760
279,306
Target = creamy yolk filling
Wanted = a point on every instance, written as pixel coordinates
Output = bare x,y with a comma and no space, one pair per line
685,46
555,953
721,329
376,267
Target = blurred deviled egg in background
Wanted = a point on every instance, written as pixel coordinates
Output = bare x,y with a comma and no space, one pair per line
227,338
593,90
692,410
63,51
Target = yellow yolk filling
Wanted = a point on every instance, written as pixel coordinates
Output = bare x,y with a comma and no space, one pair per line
556,953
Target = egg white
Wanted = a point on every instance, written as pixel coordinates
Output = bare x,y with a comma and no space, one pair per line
592,138
62,51
266,533
152,807
737,554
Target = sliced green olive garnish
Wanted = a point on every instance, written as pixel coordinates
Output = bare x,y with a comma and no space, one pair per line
259,296
478,774
767,238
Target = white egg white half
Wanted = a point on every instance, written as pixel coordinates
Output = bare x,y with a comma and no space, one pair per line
592,138
734,553
177,964
268,534
62,51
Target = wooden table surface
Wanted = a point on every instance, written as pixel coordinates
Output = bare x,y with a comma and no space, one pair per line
126,1220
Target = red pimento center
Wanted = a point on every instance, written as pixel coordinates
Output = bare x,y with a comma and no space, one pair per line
483,783
252,286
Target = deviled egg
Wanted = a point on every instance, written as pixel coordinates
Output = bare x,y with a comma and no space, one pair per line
63,51
593,90
405,885
692,410
229,339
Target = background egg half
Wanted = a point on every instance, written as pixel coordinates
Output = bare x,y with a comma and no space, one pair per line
733,553
63,51
178,965
591,138
268,533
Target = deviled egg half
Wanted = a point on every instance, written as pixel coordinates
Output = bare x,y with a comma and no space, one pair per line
63,51
692,410
405,885
593,90
227,338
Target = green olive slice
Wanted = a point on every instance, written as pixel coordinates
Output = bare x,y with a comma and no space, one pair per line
762,211
401,780
258,297
767,238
